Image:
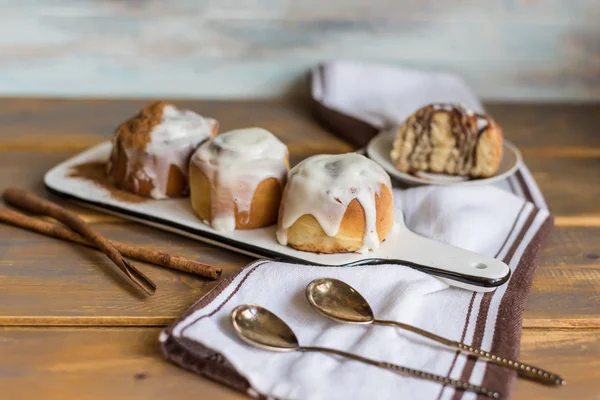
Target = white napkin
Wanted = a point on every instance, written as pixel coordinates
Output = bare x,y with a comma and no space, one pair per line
485,219
383,95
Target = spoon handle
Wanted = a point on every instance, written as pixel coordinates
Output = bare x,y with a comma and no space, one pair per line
409,371
526,371
523,370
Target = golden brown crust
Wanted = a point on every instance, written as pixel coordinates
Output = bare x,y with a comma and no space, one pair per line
307,234
263,209
494,135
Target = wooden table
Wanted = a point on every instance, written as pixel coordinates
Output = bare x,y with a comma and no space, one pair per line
70,328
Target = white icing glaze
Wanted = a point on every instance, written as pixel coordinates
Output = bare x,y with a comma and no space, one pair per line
324,185
172,142
443,106
235,163
450,107
482,123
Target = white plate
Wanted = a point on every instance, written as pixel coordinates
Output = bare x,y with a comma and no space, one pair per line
380,146
456,266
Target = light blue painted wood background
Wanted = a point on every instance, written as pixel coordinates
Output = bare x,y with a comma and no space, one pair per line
506,49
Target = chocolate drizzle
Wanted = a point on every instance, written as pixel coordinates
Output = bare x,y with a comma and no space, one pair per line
416,139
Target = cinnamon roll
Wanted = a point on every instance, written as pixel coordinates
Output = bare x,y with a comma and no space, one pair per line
237,179
151,151
449,139
336,203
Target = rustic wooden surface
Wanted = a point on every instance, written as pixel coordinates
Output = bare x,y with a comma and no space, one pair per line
118,363
69,327
239,48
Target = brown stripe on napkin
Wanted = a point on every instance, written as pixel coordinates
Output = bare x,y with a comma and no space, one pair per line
504,380
468,318
507,338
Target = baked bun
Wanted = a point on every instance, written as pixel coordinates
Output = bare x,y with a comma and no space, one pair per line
236,179
151,151
448,139
336,204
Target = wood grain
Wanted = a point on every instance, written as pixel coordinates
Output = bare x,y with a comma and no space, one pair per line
571,187
91,364
238,48
104,363
50,125
566,288
50,282
29,127
535,126
576,354
571,247
74,125
47,281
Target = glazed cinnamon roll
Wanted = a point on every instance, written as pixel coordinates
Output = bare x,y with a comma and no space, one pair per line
449,139
151,151
336,203
237,179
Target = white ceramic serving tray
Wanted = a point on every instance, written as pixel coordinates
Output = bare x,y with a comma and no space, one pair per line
456,266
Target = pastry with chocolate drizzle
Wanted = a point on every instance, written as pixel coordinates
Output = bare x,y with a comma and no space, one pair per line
448,139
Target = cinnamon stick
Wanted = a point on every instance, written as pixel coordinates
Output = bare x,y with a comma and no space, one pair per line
137,253
28,201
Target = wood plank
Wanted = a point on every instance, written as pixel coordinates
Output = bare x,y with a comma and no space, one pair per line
238,48
571,186
563,126
58,124
49,282
564,297
578,220
571,247
101,363
95,364
26,169
574,354
566,287
69,125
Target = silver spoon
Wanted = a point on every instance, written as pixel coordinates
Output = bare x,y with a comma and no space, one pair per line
263,329
339,301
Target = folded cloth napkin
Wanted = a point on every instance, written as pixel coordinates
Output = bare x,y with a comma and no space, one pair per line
508,222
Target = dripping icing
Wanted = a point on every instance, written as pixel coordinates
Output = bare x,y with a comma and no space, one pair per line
235,163
324,185
172,142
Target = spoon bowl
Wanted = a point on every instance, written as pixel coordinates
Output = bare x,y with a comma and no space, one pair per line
339,301
263,329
